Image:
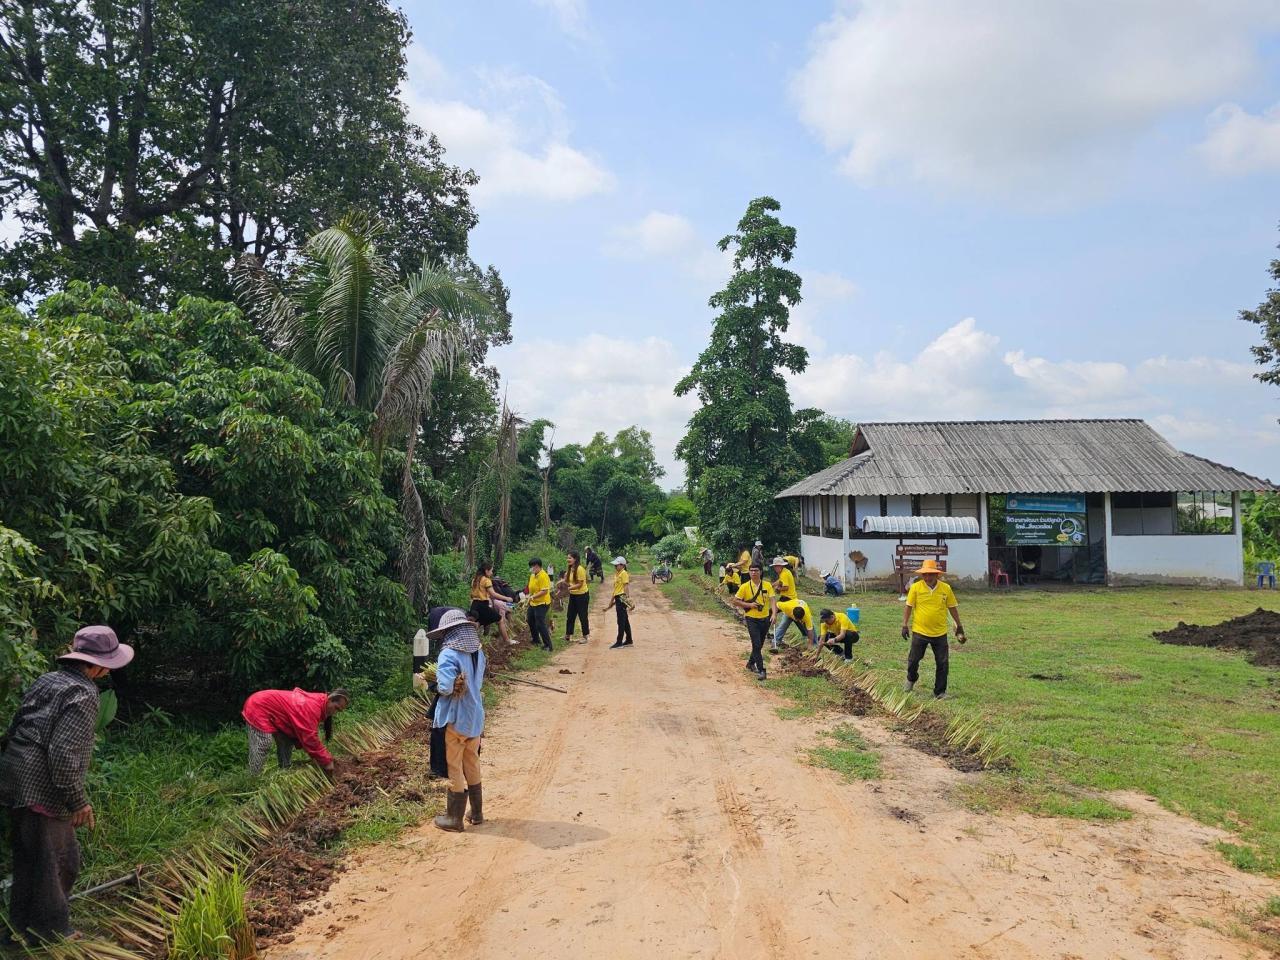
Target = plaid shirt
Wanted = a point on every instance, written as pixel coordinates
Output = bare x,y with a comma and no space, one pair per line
50,744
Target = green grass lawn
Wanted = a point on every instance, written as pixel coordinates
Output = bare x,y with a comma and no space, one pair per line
1197,729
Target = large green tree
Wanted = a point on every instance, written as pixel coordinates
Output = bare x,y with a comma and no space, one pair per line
737,449
167,474
377,343
148,144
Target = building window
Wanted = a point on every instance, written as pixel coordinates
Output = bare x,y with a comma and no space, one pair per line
1142,514
832,521
1206,512
809,516
963,505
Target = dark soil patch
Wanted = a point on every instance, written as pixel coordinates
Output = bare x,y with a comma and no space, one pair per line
1048,676
301,863
928,733
1257,633
905,815
857,702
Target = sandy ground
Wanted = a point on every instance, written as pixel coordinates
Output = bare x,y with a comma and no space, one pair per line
662,809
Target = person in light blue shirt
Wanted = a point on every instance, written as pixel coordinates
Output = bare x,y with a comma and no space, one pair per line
460,711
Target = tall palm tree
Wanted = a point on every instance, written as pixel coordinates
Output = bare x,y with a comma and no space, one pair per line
375,341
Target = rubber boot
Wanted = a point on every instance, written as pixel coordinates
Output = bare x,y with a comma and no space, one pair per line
451,819
476,795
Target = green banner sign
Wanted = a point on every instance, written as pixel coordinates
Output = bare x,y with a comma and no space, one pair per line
1045,529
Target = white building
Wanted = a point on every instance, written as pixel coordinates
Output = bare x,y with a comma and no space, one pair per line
1082,501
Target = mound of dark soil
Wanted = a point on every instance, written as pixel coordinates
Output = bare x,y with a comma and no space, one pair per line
1258,633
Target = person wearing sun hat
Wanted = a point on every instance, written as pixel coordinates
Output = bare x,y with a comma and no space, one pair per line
784,586
924,623
42,782
460,711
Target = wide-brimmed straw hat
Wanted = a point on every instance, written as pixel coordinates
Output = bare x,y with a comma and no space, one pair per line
100,646
930,566
778,562
448,620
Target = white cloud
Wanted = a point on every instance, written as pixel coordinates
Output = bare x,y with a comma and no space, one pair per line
673,238
570,15
1208,406
512,130
1242,142
603,383
656,234
1011,96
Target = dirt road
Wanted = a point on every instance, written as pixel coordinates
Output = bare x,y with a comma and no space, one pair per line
662,809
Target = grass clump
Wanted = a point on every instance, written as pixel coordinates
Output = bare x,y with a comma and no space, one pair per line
1243,857
852,758
212,923
996,792
809,694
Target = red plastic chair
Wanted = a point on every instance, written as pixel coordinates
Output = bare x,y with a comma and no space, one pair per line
995,570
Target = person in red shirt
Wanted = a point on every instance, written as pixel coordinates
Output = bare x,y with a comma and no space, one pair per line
291,718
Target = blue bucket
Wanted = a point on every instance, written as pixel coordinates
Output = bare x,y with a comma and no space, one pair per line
853,613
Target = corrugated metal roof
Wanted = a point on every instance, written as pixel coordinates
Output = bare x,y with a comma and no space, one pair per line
1017,456
924,525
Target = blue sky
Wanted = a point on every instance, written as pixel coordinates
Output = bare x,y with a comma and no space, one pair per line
1003,209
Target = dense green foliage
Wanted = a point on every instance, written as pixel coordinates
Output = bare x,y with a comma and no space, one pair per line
738,446
147,145
1260,525
169,475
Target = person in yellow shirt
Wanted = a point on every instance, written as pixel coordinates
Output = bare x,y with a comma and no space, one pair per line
794,610
838,631
924,623
575,582
621,601
755,599
483,595
784,585
742,564
538,594
731,580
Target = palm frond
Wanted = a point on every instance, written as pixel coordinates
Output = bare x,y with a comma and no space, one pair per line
433,345
273,312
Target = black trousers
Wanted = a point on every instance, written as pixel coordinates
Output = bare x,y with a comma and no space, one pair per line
578,604
706,567
849,640
46,862
624,622
941,656
757,630
538,632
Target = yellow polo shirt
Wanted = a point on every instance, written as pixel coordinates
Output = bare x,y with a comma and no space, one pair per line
929,607
620,581
577,580
797,610
732,579
481,590
539,581
744,563
749,592
838,625
787,584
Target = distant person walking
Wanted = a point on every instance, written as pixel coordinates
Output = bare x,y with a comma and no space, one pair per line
539,596
575,581
924,623
708,560
754,598
42,782
291,718
595,568
460,712
621,602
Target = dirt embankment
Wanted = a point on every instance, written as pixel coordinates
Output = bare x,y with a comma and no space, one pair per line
1257,633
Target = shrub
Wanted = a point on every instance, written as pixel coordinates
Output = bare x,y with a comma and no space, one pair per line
212,923
670,547
167,474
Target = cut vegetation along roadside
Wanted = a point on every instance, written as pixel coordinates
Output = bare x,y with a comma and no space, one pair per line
1087,701
663,808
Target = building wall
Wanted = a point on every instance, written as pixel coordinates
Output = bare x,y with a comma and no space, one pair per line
1180,558
966,559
